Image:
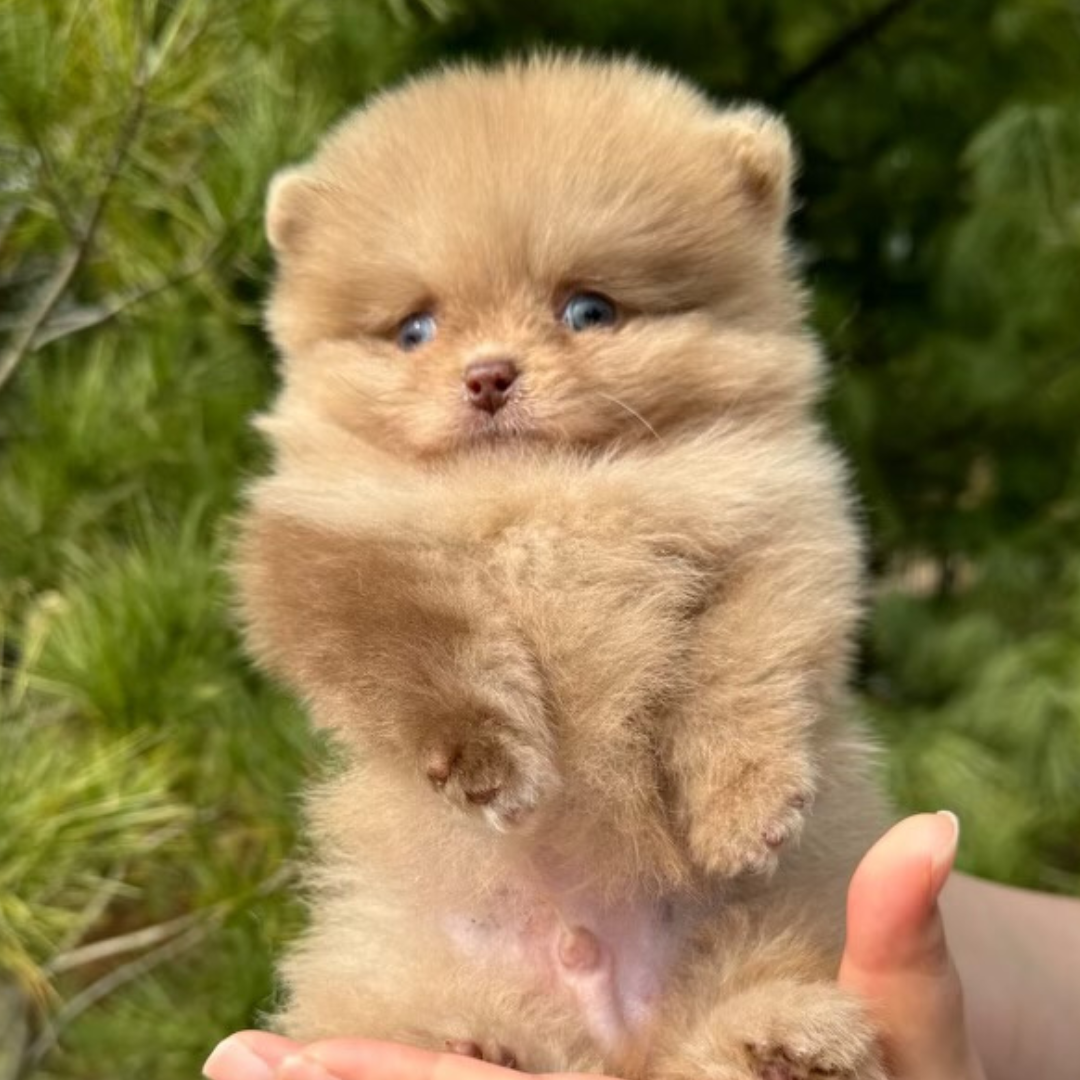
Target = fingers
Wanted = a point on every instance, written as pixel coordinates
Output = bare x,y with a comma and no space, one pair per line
248,1055
896,956
257,1055
362,1059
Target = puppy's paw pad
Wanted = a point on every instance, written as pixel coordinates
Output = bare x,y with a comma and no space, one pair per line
437,764
751,850
781,1063
492,1052
788,823
490,773
819,1036
774,1063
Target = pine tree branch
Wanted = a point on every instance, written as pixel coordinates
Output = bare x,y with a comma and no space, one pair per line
94,909
86,318
172,939
145,938
149,936
58,282
841,47
101,988
100,901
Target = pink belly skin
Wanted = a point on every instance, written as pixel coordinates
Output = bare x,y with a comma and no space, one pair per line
611,959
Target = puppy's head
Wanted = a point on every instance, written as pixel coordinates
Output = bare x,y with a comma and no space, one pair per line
557,250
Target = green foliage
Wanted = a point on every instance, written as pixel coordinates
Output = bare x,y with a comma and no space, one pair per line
116,807
166,448
148,777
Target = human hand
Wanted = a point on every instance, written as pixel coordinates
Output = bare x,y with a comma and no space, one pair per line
258,1055
896,959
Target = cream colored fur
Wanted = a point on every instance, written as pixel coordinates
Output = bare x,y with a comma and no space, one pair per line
586,657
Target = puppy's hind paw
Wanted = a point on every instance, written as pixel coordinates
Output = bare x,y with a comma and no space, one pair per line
809,1033
492,1052
782,1030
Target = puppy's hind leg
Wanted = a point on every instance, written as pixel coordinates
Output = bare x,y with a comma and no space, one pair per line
779,1030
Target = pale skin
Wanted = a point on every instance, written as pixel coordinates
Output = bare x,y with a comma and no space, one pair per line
1018,954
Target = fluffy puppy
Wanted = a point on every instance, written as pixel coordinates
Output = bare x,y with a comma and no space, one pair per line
556,550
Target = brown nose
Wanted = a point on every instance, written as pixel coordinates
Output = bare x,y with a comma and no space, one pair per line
488,383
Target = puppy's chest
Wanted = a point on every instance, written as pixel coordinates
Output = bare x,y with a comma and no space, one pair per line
610,614
615,569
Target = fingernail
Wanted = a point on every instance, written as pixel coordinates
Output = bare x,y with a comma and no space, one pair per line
945,855
300,1067
232,1060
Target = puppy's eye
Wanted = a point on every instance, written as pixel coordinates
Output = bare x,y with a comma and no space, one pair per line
415,331
587,310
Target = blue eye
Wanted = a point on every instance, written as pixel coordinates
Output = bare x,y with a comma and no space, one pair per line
586,310
415,331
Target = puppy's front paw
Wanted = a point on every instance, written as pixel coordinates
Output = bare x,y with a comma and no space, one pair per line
486,766
743,822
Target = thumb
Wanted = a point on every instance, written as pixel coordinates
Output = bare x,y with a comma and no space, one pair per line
896,956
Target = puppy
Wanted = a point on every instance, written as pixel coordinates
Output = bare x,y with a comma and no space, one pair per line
556,550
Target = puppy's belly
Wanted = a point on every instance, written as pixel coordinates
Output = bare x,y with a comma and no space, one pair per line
613,960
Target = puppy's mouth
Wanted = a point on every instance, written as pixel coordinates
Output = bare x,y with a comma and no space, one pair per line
508,426
502,437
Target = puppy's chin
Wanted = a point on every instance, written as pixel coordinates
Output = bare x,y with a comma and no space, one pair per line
516,430
512,435
507,431
431,431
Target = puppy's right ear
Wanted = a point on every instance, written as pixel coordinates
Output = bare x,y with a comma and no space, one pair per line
290,204
759,144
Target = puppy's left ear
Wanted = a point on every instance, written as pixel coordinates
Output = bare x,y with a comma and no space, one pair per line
290,204
759,145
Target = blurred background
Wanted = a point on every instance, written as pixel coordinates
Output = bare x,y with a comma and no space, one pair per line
148,777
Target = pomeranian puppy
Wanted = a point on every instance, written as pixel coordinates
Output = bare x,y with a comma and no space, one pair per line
556,550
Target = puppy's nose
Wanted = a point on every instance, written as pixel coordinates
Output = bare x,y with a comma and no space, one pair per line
488,383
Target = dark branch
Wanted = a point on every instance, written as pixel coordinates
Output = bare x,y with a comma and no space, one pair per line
841,47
